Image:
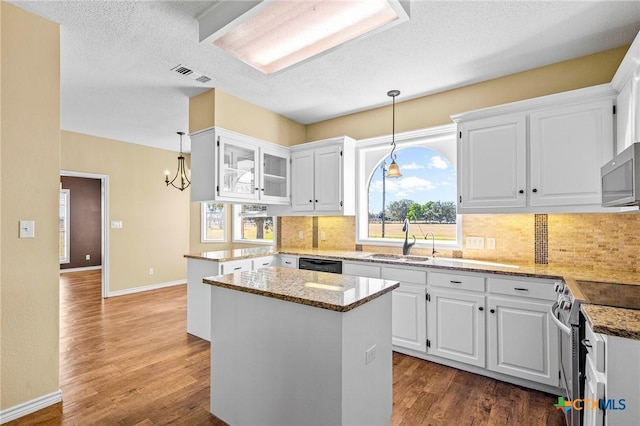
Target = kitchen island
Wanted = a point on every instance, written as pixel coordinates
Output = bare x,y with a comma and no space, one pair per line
295,347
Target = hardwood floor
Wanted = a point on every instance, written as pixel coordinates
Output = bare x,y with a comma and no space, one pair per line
127,360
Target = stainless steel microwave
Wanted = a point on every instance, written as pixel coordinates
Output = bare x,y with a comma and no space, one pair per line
621,179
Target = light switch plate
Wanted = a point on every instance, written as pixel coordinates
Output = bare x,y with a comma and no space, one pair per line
116,224
491,243
475,242
27,229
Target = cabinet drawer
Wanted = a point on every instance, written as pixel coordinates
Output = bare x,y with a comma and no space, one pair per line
262,262
361,270
530,289
462,282
232,266
594,344
404,275
289,262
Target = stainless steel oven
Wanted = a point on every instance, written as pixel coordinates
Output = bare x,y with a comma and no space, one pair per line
566,316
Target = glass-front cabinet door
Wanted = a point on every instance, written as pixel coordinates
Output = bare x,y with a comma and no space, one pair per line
274,187
237,168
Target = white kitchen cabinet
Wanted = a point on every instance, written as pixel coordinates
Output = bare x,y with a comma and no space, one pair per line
536,156
568,146
322,179
286,261
234,168
263,262
361,269
627,82
521,339
456,325
593,391
409,322
492,162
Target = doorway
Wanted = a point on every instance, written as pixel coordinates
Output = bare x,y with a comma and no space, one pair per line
104,229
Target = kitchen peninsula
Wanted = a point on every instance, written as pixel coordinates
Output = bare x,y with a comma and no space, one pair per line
295,347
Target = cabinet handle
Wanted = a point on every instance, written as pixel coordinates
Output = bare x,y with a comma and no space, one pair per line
586,343
493,311
455,282
287,263
311,201
257,189
316,201
237,267
534,190
262,189
521,191
481,308
265,264
520,289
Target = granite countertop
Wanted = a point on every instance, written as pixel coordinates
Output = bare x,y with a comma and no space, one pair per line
225,255
335,292
619,322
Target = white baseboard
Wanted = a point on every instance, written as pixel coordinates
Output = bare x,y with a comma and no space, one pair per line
30,406
145,288
85,268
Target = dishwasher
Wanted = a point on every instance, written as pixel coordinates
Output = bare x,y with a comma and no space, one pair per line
320,265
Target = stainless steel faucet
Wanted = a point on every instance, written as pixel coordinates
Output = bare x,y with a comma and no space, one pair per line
433,242
406,247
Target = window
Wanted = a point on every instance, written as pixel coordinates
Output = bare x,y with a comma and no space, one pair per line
425,193
63,253
213,222
251,224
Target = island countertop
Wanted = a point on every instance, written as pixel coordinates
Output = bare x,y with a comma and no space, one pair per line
334,292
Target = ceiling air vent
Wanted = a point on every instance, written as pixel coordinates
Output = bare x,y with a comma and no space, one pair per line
192,74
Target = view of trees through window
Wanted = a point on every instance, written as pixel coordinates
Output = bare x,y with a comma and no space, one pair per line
253,223
425,194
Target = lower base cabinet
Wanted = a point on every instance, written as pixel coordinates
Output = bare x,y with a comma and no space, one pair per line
408,324
522,341
456,324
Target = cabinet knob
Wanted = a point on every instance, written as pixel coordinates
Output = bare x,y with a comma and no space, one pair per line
481,308
493,311
311,201
316,201
521,191
534,190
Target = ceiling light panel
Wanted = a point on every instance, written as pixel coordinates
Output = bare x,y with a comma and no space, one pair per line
276,34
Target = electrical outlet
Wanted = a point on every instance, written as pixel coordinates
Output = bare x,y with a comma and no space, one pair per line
300,235
150,271
370,355
116,224
491,243
87,257
323,236
475,242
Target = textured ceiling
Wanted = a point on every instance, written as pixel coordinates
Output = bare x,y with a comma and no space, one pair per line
116,59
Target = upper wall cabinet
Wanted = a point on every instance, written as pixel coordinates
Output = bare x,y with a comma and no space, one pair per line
234,168
627,82
536,156
322,179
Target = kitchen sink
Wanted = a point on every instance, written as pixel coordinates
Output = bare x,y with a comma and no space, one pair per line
398,257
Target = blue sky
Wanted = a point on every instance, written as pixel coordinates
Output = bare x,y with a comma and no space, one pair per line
426,176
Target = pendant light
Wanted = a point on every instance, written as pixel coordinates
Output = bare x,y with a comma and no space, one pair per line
394,170
182,171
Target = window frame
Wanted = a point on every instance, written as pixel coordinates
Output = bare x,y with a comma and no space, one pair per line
203,225
371,152
237,228
67,228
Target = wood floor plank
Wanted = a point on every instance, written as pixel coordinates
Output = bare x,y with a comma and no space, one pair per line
128,361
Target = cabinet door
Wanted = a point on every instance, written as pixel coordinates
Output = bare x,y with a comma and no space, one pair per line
624,116
408,323
328,178
594,391
203,170
262,262
274,176
522,340
237,160
492,162
568,147
302,181
456,326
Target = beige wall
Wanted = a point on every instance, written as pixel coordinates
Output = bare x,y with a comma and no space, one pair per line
155,232
217,108
30,159
435,110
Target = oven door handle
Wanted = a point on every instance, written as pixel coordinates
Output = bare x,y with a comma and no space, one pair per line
558,323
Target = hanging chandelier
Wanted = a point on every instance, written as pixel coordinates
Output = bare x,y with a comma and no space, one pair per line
182,171
394,170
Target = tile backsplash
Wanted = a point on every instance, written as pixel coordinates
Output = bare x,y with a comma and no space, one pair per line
603,240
